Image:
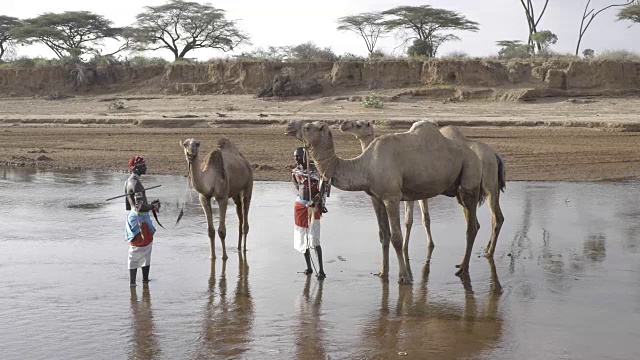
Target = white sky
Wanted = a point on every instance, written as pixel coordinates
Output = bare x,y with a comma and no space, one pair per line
291,22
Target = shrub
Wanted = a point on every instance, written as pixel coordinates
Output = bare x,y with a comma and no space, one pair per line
116,105
618,55
372,101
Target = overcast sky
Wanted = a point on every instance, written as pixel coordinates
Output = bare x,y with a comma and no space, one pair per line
291,22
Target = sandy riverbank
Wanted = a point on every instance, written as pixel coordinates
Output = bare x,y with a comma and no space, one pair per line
551,140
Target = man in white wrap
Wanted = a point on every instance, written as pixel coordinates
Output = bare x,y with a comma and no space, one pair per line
307,211
139,228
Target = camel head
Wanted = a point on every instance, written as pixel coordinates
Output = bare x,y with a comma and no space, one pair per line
361,129
294,128
317,135
190,147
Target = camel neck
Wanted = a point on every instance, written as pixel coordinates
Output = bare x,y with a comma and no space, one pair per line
365,141
196,174
347,174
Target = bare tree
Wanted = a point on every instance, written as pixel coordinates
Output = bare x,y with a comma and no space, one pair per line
590,14
532,21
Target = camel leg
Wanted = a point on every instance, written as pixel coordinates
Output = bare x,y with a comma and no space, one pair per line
384,232
426,222
238,202
205,202
381,214
246,202
408,223
222,228
496,219
393,212
469,201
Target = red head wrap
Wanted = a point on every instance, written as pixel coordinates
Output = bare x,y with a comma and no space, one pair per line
137,160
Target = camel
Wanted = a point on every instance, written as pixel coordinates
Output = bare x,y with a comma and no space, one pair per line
224,173
388,171
493,181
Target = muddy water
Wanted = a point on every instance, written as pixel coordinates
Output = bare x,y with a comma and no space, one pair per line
564,284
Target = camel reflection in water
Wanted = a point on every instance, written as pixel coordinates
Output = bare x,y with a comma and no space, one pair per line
310,334
227,322
419,328
145,344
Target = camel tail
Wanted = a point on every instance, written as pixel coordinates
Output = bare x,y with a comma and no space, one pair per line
483,194
502,179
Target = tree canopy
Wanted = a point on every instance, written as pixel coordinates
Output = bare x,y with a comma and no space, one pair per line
7,23
183,26
427,24
368,25
630,12
71,33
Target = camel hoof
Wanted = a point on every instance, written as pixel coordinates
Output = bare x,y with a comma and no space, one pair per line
463,271
224,257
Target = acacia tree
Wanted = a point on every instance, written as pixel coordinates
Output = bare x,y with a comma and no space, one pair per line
183,26
591,14
631,12
532,20
427,23
71,33
7,23
368,25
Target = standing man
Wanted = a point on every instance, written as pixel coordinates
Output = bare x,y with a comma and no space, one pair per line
139,228
307,210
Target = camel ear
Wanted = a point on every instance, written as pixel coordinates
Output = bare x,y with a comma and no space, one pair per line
183,143
368,123
321,128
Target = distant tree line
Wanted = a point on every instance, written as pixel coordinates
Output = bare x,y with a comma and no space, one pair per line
182,27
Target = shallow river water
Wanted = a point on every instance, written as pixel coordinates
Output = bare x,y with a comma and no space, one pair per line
565,285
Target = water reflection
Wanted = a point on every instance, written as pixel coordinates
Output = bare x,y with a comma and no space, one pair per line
595,247
227,323
420,323
310,332
145,344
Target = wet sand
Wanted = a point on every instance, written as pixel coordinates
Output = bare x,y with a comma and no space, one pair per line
549,140
563,283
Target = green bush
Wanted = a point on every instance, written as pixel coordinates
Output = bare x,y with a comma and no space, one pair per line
372,101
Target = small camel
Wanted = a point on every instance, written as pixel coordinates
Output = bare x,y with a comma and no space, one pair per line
224,173
493,181
414,165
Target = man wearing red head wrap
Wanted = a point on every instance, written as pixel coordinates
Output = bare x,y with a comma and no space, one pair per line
139,228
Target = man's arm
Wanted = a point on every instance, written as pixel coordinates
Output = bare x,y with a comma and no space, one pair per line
138,202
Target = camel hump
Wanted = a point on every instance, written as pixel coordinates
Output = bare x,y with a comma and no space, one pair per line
423,124
225,144
453,132
216,161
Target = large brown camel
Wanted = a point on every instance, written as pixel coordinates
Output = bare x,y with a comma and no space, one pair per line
222,174
414,165
493,181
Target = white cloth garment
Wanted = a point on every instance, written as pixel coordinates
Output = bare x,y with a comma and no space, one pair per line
139,256
301,234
